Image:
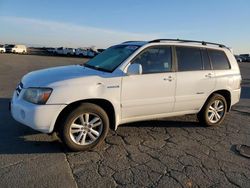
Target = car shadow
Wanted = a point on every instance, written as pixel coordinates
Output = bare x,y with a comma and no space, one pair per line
19,139
166,123
16,138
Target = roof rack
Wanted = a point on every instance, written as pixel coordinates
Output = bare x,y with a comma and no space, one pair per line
130,41
194,41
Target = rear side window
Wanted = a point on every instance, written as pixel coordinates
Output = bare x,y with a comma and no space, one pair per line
189,59
219,60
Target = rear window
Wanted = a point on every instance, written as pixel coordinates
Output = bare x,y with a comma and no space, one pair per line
11,46
189,59
219,60
245,55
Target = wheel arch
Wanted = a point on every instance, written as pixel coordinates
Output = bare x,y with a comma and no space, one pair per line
225,93
103,103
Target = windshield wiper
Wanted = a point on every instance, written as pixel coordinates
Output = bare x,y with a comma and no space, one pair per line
96,68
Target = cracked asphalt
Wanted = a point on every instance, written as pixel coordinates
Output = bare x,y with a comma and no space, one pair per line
172,152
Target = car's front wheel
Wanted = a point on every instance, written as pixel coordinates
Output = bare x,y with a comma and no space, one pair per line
214,111
85,127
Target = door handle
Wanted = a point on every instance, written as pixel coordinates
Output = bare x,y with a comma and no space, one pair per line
209,75
170,78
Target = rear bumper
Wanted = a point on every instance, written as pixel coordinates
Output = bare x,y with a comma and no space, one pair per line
235,96
39,117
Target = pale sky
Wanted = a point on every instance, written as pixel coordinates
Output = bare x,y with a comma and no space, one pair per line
104,23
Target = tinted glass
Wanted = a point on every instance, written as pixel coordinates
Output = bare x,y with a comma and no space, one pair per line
245,55
189,59
11,46
218,59
155,59
206,61
111,58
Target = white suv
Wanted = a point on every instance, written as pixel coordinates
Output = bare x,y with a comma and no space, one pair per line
2,49
81,52
65,51
18,48
132,81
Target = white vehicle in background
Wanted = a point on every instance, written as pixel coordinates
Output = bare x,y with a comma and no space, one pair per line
245,57
92,52
51,50
65,51
18,48
2,49
81,52
59,51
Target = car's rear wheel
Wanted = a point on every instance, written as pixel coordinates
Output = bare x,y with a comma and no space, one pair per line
85,127
214,111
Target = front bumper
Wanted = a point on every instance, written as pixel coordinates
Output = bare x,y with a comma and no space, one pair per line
39,117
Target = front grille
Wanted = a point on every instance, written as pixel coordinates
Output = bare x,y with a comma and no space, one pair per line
19,88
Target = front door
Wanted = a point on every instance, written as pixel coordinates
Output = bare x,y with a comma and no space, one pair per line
152,92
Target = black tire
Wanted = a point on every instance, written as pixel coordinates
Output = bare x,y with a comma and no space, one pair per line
203,115
65,128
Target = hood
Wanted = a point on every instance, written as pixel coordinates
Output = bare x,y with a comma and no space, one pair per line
46,77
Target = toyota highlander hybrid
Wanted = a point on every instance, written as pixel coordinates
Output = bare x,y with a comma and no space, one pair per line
128,82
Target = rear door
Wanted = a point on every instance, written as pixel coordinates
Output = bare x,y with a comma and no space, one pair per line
195,78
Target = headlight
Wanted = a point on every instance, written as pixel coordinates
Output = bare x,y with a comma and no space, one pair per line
37,95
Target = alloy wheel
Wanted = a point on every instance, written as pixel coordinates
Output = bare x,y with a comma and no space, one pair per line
216,111
86,129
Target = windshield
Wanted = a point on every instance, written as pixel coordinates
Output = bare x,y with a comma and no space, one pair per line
111,58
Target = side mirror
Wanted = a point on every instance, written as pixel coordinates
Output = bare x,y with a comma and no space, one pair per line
134,69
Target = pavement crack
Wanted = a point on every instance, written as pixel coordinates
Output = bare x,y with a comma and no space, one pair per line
72,173
228,179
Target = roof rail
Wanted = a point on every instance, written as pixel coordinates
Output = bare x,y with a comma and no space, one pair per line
195,41
130,41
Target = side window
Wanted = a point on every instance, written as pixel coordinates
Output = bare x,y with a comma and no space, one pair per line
206,61
189,59
219,60
155,59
